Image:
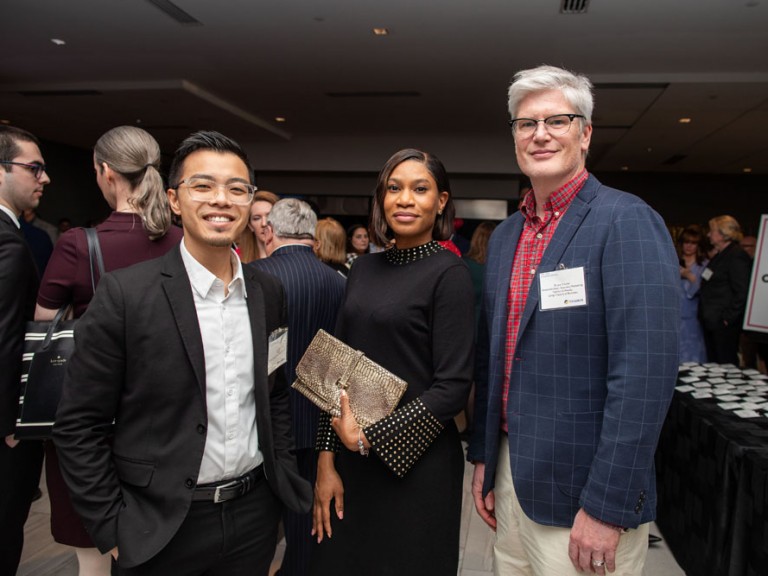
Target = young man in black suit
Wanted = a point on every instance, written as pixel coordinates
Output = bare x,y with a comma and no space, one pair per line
22,178
181,353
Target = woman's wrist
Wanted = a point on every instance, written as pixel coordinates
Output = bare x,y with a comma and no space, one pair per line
326,459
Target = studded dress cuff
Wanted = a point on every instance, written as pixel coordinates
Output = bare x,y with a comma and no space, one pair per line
401,438
327,441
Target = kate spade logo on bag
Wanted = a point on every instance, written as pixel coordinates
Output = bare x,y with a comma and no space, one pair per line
58,361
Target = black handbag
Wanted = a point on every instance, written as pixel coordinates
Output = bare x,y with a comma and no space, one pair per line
48,346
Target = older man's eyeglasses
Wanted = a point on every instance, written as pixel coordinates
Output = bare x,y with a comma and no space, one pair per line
35,167
204,190
556,125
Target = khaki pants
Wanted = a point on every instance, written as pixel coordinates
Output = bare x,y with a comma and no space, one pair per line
526,548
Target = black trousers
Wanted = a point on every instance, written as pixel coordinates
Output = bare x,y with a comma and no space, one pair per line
19,479
298,527
233,538
723,344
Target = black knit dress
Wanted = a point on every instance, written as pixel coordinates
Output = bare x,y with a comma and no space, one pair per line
411,311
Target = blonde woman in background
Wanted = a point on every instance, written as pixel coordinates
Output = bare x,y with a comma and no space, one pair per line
330,245
126,160
723,292
251,242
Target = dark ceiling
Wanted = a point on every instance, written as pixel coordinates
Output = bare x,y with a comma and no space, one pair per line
349,97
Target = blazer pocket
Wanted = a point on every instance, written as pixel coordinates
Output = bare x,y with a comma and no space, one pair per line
576,438
134,472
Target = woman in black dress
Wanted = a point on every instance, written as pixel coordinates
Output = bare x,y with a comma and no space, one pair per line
410,309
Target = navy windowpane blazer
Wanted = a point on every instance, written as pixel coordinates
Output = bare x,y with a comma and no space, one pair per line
590,386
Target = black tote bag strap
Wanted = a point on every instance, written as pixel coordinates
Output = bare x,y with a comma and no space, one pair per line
94,255
53,325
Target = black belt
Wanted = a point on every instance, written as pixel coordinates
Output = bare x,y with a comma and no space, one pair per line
228,489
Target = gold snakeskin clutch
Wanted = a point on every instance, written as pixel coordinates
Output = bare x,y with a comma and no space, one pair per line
330,366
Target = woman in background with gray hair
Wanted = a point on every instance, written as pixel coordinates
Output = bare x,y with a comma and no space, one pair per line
126,160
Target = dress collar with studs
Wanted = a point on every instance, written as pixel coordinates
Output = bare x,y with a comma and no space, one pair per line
399,257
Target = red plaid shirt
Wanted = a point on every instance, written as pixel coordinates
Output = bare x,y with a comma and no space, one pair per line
533,241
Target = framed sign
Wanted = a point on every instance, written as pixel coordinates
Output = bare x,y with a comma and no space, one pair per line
756,317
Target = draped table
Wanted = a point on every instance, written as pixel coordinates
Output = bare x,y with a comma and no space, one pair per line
712,472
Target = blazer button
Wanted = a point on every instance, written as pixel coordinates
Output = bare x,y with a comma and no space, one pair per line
189,483
200,429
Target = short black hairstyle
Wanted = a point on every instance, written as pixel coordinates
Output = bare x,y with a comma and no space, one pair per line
379,230
10,136
205,140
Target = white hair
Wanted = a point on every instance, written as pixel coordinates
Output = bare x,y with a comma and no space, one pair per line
576,89
292,218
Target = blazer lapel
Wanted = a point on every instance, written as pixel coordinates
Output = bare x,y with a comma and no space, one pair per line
256,313
178,291
566,229
500,311
506,259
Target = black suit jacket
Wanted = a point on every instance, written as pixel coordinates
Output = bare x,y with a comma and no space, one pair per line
314,292
18,290
139,360
723,297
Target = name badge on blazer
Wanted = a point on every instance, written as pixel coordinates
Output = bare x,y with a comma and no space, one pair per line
562,288
278,349
707,274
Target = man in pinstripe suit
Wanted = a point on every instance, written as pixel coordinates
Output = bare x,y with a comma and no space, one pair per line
314,292
577,352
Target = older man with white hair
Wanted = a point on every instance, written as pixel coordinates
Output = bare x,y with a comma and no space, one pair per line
313,291
577,351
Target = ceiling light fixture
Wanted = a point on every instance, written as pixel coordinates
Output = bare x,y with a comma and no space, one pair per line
5,121
747,170
58,41
574,6
684,120
625,168
279,118
381,31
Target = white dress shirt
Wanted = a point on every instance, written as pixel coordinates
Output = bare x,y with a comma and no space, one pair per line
231,444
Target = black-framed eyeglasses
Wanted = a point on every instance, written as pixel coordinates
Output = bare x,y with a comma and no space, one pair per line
556,125
35,167
204,190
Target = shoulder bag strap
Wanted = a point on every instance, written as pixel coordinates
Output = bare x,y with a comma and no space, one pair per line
94,255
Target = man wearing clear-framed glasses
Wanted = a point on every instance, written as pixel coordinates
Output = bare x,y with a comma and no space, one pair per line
22,179
183,353
577,352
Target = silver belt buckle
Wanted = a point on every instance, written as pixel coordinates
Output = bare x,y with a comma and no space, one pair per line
217,493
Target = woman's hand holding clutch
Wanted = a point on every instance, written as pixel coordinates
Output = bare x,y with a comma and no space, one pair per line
347,428
328,486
